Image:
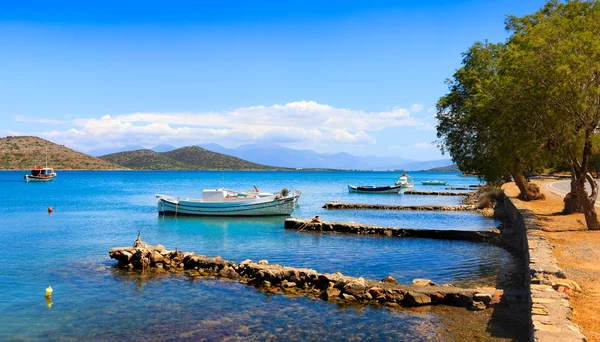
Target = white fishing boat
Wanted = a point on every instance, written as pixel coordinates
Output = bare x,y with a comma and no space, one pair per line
41,173
405,181
372,189
222,202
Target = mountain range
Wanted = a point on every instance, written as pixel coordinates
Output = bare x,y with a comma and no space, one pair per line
274,154
185,158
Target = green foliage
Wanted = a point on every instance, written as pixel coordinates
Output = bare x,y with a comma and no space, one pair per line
531,102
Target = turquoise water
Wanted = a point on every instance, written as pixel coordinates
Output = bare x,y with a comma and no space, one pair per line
94,211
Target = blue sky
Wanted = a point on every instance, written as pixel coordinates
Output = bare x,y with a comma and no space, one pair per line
337,76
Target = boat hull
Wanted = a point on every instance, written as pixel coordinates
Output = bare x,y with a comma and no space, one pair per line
439,183
392,189
30,178
273,207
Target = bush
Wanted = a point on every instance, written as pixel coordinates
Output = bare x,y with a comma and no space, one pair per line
488,195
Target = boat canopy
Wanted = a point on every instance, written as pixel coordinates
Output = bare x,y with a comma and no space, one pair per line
42,171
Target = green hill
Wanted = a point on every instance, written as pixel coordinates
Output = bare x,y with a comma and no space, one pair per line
449,168
186,158
26,152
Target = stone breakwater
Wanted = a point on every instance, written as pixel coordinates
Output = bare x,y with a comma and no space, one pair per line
330,287
342,205
437,193
549,290
491,236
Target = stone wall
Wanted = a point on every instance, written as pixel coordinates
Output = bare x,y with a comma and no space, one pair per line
330,287
316,225
549,290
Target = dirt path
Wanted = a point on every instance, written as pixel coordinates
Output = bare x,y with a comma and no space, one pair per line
577,251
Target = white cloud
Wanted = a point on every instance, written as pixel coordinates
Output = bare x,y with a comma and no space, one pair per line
424,145
417,107
294,122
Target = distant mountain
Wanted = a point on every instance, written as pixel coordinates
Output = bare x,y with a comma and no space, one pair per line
273,154
162,148
26,152
108,150
186,158
449,168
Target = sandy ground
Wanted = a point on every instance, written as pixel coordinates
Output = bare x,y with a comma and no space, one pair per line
577,251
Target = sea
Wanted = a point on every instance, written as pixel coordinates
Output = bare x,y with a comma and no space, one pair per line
94,211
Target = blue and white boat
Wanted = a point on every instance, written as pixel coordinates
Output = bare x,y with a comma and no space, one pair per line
434,182
222,202
371,189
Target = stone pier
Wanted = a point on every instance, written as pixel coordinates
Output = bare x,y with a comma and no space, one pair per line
437,193
342,205
490,236
329,287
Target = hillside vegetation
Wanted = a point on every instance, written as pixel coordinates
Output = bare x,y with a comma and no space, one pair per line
24,153
186,158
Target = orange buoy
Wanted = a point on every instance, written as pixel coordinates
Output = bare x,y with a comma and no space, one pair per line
49,210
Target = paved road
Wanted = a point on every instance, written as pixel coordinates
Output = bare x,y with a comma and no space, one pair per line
563,187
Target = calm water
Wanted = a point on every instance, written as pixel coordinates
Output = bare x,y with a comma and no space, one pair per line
94,211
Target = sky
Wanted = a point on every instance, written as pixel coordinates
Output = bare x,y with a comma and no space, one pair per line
332,76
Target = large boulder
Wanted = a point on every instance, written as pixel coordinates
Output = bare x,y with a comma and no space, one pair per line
355,288
416,298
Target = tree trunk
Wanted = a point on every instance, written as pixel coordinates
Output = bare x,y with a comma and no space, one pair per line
527,193
574,200
589,207
578,196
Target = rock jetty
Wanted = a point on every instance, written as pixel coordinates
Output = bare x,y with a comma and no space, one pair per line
437,193
277,278
490,236
365,206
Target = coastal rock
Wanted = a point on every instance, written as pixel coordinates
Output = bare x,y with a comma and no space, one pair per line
389,280
263,262
348,297
229,273
331,293
485,298
477,306
416,299
422,282
356,288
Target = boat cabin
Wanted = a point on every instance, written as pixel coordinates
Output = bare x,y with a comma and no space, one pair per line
42,172
220,195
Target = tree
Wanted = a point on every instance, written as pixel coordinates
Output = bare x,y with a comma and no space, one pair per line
553,56
477,124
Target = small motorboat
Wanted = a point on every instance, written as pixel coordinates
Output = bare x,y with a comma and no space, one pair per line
405,181
41,173
434,182
371,189
222,202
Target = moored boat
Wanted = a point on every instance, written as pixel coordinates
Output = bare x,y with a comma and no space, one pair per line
434,182
222,202
371,189
405,181
41,173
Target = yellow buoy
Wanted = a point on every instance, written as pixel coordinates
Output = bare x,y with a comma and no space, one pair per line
49,292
